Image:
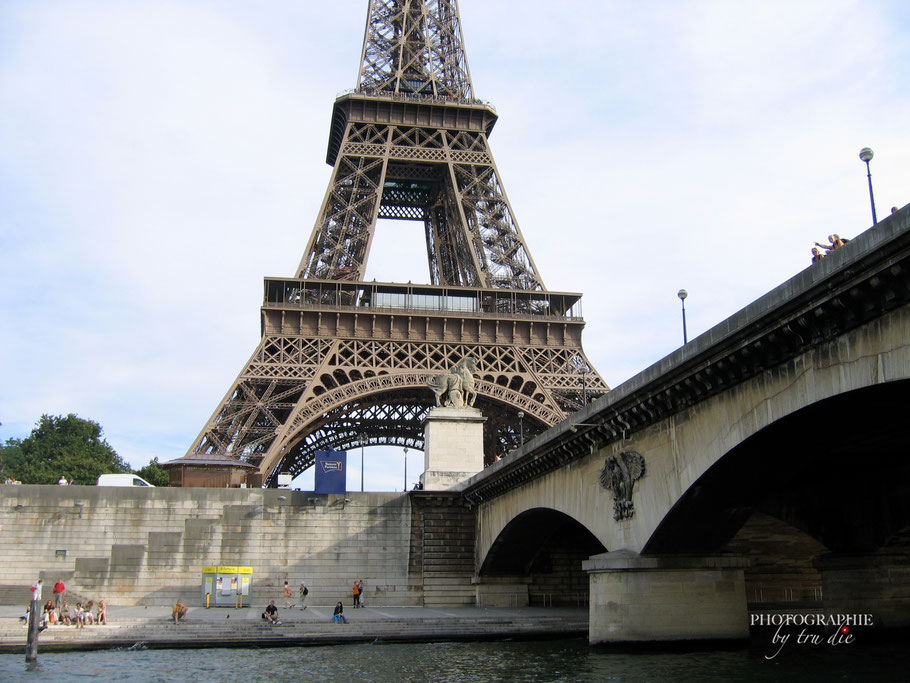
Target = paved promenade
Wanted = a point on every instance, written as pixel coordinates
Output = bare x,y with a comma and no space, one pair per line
152,627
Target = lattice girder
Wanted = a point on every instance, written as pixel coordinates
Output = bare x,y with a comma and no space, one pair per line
472,236
414,46
372,420
343,362
292,382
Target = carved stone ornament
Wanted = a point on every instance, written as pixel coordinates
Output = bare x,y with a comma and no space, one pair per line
455,388
618,475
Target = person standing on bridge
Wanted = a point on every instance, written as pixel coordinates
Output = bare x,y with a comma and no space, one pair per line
835,242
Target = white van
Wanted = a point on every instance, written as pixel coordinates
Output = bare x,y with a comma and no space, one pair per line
122,480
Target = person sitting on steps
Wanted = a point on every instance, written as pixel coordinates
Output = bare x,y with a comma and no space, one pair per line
271,614
338,617
87,616
179,612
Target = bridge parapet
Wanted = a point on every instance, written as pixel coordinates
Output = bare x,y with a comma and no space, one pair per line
855,284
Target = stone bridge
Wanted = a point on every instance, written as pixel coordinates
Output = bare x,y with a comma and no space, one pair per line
775,474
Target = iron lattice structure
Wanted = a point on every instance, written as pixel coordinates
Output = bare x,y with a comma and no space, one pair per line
344,362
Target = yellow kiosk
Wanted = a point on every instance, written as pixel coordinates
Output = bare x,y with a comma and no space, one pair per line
226,586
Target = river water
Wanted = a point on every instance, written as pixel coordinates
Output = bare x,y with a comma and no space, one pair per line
565,660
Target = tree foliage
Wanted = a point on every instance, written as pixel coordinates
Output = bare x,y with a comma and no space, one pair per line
61,446
154,474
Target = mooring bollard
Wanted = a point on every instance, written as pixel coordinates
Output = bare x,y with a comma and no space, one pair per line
31,645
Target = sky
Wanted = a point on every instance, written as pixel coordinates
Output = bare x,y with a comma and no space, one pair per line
158,159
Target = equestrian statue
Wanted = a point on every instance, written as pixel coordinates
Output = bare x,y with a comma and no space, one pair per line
455,388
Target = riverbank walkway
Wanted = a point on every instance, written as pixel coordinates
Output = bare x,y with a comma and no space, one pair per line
153,627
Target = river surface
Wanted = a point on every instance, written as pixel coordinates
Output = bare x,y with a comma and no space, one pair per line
565,660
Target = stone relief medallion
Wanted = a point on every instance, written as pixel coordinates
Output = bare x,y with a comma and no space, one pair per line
618,475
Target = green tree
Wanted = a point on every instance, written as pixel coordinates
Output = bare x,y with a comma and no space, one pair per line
154,474
61,446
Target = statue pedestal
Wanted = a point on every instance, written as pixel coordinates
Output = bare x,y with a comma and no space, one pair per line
453,447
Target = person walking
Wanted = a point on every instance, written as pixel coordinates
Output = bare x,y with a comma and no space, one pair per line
360,593
356,591
288,594
304,591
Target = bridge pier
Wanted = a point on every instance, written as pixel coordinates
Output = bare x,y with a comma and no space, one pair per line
453,447
637,598
876,584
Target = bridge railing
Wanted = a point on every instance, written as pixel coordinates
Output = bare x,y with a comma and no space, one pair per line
579,599
811,595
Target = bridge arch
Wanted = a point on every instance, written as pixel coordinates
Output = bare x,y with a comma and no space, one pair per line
765,425
836,470
544,548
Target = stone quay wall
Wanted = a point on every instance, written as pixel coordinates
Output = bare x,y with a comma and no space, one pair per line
133,546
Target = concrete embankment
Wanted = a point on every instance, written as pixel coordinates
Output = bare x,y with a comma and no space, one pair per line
151,627
140,546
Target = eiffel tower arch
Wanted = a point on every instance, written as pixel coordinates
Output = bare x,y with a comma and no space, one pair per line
343,362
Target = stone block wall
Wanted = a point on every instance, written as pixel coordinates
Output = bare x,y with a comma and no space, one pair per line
148,546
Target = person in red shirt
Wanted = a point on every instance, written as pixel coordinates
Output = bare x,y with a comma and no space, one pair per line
59,592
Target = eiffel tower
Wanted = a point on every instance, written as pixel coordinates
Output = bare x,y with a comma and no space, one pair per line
343,362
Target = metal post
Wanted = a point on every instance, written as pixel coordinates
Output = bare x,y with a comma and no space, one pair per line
866,155
521,426
682,294
584,387
31,644
362,437
405,489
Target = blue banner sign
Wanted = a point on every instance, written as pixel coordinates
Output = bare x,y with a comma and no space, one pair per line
331,471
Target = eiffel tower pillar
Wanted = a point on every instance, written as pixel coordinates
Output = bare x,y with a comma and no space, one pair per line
344,362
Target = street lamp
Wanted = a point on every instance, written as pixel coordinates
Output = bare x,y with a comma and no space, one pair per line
405,489
866,155
521,426
584,385
682,294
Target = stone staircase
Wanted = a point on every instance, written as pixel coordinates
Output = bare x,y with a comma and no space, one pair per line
448,556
